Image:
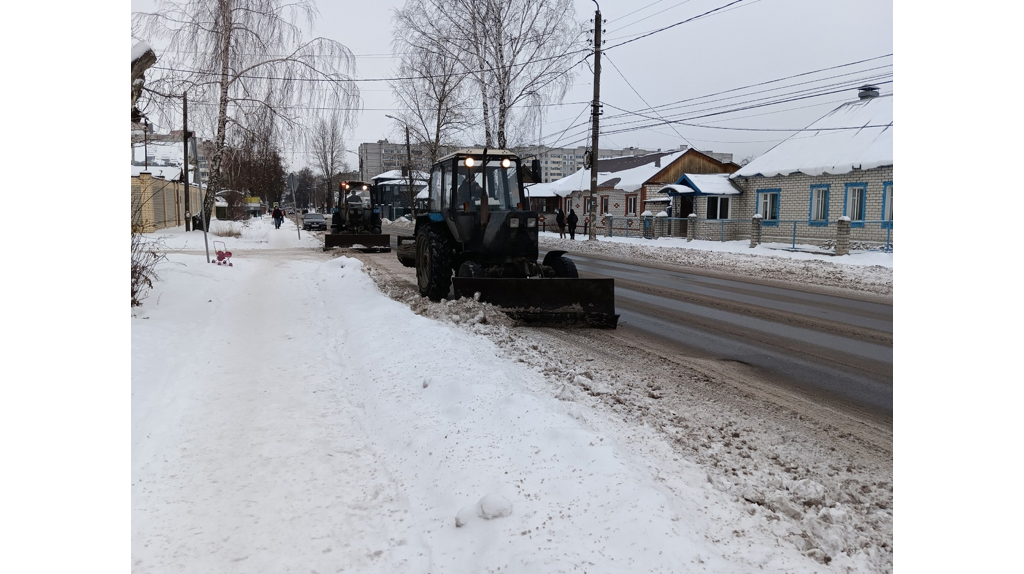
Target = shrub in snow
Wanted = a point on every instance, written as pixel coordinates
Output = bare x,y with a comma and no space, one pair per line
844,218
692,215
144,260
662,214
758,216
646,214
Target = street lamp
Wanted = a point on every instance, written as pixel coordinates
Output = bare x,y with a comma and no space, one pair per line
408,159
360,163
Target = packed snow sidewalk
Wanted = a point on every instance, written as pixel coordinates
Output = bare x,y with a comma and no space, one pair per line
287,416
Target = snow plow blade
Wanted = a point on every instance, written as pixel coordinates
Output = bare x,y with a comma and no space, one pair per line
554,302
365,242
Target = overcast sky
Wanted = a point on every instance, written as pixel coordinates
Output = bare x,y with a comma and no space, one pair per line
755,41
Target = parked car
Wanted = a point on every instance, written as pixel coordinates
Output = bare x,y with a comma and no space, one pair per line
311,221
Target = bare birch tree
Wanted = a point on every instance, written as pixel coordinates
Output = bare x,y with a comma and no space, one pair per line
431,88
244,58
515,51
326,143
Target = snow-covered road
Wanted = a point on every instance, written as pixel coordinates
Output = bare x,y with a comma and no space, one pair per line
286,416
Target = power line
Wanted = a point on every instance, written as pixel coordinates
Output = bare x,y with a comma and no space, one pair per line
651,33
642,98
802,74
398,78
759,102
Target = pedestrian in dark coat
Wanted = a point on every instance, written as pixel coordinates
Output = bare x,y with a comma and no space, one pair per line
278,217
572,220
560,220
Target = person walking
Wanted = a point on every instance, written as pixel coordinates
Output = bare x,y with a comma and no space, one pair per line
572,220
278,216
560,220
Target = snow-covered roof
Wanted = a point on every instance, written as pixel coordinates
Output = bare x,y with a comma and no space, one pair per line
626,174
546,190
168,173
397,174
423,194
403,181
702,184
827,148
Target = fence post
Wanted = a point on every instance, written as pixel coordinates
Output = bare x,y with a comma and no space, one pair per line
691,226
755,230
843,236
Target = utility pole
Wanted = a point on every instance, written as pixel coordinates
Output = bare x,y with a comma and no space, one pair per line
184,168
596,112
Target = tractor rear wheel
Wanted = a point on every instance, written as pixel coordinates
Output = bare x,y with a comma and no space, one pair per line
433,264
564,267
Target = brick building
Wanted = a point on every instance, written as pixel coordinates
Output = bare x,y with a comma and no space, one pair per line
840,166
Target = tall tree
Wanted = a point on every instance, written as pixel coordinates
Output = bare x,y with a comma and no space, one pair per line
327,144
431,89
246,58
515,51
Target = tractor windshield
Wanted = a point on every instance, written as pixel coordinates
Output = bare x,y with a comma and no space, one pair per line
502,186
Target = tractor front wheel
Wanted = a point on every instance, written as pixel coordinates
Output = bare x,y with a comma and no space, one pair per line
433,264
564,267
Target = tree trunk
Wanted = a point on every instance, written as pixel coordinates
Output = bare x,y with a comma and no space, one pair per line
213,186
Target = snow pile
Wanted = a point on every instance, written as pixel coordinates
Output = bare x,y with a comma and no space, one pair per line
255,233
835,512
866,271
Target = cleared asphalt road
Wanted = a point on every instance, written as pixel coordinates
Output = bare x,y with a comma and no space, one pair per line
830,345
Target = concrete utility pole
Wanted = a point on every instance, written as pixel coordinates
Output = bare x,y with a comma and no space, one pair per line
184,168
408,168
596,113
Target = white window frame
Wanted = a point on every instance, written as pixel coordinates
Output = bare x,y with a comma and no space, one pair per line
887,216
766,205
857,197
631,201
718,200
819,204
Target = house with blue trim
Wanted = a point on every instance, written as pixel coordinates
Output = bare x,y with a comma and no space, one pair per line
839,166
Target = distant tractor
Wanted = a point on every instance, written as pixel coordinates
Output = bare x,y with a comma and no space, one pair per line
475,228
357,220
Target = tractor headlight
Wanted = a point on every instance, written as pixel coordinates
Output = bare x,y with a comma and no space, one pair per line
505,163
470,162
531,222
513,223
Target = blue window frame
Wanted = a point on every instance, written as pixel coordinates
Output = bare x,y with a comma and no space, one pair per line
817,212
886,205
769,205
855,198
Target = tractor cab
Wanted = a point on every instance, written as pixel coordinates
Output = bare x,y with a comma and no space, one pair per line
479,195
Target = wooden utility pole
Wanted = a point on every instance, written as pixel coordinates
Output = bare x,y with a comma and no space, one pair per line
596,113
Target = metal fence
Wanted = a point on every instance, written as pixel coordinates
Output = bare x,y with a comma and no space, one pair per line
802,231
